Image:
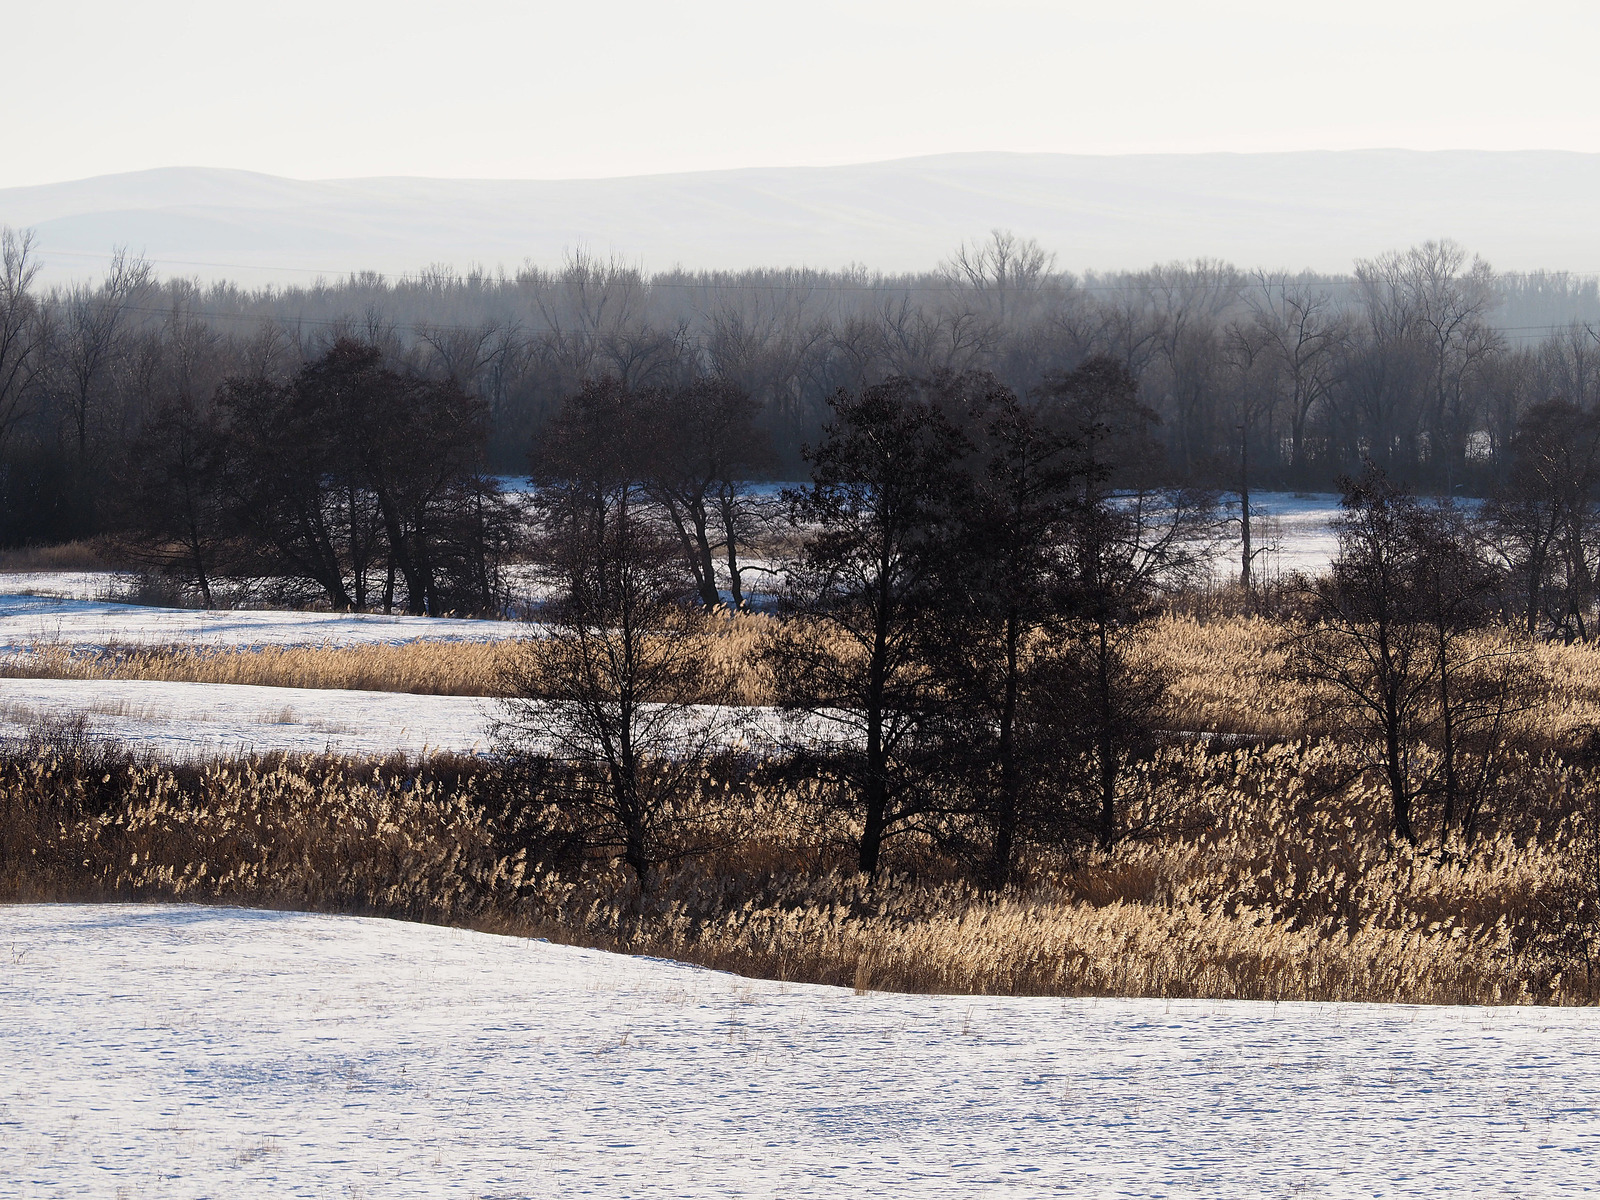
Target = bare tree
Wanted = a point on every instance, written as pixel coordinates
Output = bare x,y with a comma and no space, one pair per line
21,332
1394,650
1299,323
172,507
1003,269
1429,303
704,447
1542,521
86,347
618,680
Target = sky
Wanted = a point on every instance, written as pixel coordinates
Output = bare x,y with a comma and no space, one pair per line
533,90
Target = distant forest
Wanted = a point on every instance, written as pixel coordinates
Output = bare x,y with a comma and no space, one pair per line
1421,361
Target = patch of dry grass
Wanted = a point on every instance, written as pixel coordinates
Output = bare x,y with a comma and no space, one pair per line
427,668
1229,674
1273,882
67,556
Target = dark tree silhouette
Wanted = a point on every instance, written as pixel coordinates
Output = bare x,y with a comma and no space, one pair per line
1390,644
173,510
1001,590
849,657
1542,521
617,680
704,447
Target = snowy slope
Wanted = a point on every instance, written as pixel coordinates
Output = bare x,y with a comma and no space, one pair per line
202,1052
1522,210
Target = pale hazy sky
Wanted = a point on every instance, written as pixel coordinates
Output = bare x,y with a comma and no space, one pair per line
338,88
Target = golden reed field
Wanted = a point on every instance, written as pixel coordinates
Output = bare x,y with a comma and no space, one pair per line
1228,674
426,668
1268,871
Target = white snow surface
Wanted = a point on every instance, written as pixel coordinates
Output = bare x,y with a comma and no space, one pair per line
196,722
31,620
211,1052
1289,532
71,585
200,721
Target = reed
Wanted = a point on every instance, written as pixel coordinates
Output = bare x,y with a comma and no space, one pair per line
1275,879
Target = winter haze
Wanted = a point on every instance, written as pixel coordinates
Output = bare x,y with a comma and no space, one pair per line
1521,210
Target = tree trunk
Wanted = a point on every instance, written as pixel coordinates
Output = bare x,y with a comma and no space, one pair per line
1005,832
731,546
1106,742
876,791
1448,743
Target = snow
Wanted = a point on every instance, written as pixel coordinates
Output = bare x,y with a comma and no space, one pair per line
1291,531
208,1052
188,722
197,721
27,621
72,585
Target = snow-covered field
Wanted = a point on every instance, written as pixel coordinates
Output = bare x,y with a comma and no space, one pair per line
190,721
197,720
27,621
204,1052
187,722
1292,531
70,585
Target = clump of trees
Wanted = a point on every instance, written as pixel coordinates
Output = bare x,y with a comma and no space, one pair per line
969,568
1011,471
351,482
618,681
1397,642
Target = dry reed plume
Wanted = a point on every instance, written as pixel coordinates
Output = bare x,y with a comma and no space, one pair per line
1228,675
423,667
1272,877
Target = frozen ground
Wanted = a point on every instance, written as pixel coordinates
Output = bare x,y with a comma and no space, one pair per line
42,620
73,585
188,721
203,1052
1292,530
199,721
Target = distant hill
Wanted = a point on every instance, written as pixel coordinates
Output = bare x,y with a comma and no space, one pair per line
1520,210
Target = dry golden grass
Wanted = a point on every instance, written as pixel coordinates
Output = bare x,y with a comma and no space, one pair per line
428,668
1229,675
1271,874
423,667
1232,675
1262,887
67,556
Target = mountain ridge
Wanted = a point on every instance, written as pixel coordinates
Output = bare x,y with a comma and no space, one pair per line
1300,209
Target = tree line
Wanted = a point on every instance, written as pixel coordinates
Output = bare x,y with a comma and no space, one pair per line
1423,361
